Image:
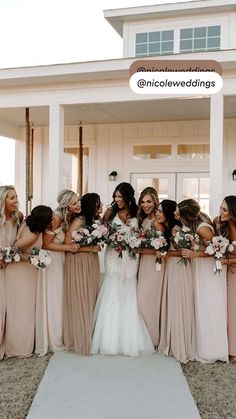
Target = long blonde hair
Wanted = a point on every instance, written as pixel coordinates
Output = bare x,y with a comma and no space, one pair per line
64,199
4,189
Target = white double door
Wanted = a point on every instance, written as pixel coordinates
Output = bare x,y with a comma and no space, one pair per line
176,186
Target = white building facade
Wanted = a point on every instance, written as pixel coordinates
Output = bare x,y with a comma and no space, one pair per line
185,146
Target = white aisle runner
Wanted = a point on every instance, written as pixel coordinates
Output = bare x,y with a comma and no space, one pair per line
113,387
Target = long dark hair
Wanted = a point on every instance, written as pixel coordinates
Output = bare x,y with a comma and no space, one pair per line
231,204
127,192
90,203
168,209
191,214
154,195
39,219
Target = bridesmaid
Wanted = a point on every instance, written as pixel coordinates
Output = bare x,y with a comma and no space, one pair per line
209,289
228,229
177,315
50,282
81,281
21,280
149,288
10,219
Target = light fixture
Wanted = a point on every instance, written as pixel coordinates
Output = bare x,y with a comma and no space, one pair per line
113,175
234,174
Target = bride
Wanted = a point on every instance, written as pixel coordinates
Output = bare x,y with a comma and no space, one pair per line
118,326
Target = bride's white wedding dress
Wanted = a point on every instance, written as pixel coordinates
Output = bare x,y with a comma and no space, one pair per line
118,326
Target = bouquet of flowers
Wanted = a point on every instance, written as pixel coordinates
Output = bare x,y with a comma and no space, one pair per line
185,239
9,254
218,247
88,236
124,238
154,239
39,258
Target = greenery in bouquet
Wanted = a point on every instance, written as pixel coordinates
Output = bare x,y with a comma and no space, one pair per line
89,236
39,258
123,238
9,254
185,239
217,247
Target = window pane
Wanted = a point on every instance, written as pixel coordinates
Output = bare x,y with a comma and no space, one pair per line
213,43
199,33
141,49
214,31
151,151
204,191
154,36
155,47
186,33
160,184
141,37
167,35
167,46
190,188
193,151
199,44
204,205
186,45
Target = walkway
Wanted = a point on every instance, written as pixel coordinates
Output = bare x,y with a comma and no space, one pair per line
113,387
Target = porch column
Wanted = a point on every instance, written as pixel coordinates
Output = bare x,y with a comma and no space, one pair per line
56,145
216,152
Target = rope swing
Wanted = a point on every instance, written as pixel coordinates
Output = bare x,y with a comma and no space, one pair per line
29,138
80,177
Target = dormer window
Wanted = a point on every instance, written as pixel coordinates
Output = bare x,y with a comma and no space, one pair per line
154,43
200,39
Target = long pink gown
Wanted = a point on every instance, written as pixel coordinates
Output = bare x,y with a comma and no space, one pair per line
81,286
8,232
210,299
21,282
150,291
231,291
49,301
177,330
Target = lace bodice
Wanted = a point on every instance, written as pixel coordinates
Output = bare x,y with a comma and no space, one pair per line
132,222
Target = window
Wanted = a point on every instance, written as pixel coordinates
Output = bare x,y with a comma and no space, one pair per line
200,39
151,151
193,151
154,43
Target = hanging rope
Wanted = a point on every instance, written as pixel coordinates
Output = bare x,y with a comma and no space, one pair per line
31,179
80,159
28,164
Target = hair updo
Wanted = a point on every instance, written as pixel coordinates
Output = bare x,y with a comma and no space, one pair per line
39,219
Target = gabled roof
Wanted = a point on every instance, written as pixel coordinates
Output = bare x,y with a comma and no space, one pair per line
117,17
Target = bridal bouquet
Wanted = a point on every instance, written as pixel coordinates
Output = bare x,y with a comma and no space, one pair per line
9,254
218,247
154,239
185,239
124,238
88,236
39,258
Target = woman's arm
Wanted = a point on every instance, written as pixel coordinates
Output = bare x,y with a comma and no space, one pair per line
205,233
76,224
48,237
26,239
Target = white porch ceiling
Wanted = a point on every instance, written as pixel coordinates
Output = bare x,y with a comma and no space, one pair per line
122,112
